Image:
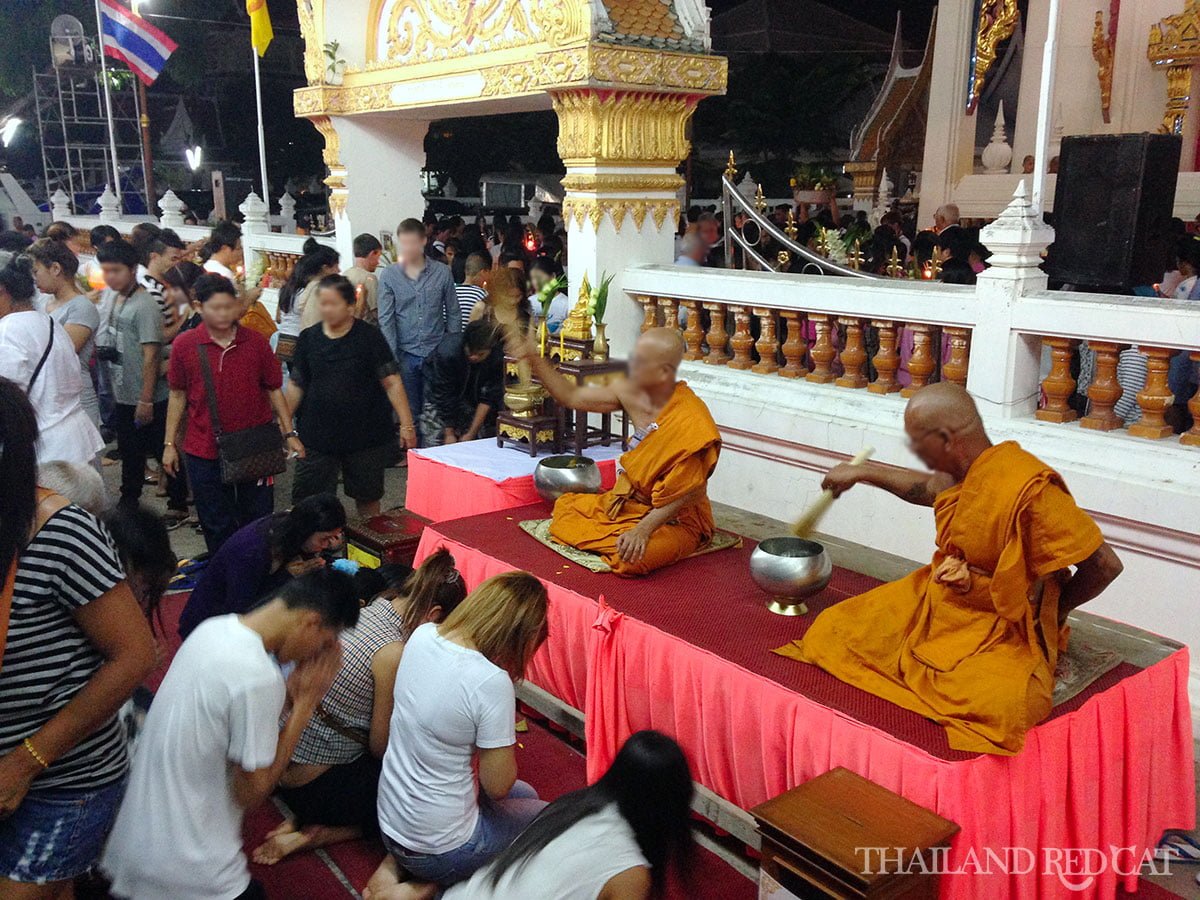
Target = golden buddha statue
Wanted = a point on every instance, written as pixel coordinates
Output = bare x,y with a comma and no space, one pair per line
578,324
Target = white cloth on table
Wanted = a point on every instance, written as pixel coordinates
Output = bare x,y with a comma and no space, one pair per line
499,464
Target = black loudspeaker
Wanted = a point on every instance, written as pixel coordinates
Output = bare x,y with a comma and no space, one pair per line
1112,209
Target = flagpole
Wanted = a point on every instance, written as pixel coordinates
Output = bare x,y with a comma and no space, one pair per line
262,141
112,132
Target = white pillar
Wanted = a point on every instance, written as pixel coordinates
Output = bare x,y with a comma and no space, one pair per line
287,214
60,205
172,210
950,135
254,212
381,159
110,206
1004,371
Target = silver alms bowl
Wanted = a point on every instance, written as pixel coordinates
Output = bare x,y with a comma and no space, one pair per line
558,475
790,569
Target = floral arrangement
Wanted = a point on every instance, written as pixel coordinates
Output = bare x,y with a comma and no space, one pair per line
549,291
813,178
599,299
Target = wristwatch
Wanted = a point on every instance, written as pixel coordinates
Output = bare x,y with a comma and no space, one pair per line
291,434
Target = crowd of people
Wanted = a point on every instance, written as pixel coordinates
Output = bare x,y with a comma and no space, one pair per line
374,703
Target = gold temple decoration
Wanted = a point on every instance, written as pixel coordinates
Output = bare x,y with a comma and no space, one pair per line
760,201
895,269
336,180
731,167
790,228
585,209
578,324
855,256
633,127
1104,43
1175,44
997,21
783,259
312,19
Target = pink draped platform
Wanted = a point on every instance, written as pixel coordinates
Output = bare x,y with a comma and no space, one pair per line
686,651
460,480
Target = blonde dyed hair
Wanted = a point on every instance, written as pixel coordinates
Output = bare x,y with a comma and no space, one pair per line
505,619
503,288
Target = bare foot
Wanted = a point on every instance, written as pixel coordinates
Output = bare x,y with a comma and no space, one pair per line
281,845
408,890
285,827
386,877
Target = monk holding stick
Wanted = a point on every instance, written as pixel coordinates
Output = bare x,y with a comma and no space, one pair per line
658,511
972,639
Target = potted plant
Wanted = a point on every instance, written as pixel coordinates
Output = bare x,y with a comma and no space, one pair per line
812,184
335,68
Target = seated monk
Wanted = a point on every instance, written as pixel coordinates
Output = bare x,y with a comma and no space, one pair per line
658,511
971,640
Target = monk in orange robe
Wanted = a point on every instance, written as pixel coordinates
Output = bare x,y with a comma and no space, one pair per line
658,511
972,639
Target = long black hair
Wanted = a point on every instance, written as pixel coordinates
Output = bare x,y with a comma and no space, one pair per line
316,257
289,530
651,785
145,549
18,471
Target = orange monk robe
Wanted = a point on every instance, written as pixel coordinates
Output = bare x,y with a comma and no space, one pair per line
971,640
258,319
675,458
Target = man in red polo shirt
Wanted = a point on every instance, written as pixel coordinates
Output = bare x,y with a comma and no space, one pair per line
247,378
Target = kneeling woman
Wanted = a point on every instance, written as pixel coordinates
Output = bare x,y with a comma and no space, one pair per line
449,799
619,838
332,782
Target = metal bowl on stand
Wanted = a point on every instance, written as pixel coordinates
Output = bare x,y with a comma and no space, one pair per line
790,569
558,475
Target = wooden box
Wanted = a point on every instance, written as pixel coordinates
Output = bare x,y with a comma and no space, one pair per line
842,836
389,538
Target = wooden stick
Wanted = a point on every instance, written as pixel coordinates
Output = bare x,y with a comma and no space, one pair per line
807,523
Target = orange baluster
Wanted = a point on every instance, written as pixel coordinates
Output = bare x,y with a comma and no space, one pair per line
795,348
670,309
693,335
768,343
742,341
954,368
1192,436
823,351
854,356
1104,391
887,360
718,337
1059,385
1155,398
650,312
921,364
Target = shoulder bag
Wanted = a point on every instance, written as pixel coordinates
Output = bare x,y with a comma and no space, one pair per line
41,362
247,455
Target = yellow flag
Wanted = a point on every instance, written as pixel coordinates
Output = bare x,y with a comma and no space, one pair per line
261,31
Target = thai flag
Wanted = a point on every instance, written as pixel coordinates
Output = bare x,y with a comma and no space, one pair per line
134,41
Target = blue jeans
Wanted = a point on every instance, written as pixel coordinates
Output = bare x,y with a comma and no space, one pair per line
57,835
224,508
414,386
500,821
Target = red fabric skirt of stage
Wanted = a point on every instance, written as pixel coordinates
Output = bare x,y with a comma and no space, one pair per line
686,651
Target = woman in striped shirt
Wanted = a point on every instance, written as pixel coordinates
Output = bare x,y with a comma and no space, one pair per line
75,646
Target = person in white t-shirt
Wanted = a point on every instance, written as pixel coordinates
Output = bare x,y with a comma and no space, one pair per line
211,747
37,354
449,799
223,252
615,840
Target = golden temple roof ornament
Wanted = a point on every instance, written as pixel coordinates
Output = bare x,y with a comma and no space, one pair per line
1175,43
1104,45
997,21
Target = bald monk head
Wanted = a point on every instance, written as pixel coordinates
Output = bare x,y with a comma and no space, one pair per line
944,428
656,358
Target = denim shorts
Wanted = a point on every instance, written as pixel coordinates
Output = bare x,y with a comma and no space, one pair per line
57,835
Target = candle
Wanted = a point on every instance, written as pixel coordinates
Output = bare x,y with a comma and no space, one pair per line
543,330
560,344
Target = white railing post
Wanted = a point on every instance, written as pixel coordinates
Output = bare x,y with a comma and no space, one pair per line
287,214
1004,374
172,210
110,206
60,205
254,213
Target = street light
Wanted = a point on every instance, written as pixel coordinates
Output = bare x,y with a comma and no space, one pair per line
194,155
8,130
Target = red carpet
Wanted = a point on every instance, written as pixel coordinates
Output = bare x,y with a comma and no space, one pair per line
712,603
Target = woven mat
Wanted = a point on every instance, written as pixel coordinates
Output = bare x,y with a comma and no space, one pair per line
539,530
1079,667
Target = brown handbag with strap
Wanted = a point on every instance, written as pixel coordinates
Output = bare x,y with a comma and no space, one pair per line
248,455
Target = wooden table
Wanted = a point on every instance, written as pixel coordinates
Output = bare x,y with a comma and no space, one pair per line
592,372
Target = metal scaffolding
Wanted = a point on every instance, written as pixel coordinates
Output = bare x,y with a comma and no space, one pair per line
74,137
